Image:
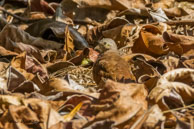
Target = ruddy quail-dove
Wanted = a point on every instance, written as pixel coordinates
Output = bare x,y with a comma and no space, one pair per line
110,65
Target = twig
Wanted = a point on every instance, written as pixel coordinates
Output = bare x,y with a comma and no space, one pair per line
25,20
176,109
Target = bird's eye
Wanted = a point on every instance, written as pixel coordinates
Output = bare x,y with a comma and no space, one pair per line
107,45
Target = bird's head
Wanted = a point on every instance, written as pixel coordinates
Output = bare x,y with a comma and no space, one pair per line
105,44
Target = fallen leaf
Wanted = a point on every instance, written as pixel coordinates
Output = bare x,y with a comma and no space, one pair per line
17,35
170,88
119,98
53,30
180,44
30,68
150,42
69,46
42,6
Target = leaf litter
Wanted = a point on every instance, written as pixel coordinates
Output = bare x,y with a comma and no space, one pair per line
104,64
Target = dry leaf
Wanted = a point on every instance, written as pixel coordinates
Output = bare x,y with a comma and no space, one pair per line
150,42
124,102
30,68
69,46
170,83
53,30
180,44
42,6
16,35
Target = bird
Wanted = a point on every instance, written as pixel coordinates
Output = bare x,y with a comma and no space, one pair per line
110,65
106,44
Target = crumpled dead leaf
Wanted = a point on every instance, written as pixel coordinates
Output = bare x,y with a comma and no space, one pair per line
144,67
30,68
42,6
108,4
16,82
157,15
42,115
16,35
150,42
5,52
21,47
168,85
175,12
55,31
69,46
180,44
119,98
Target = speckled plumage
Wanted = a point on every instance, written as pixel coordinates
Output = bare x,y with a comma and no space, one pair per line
111,66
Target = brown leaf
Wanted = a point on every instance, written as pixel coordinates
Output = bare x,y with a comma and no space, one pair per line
5,52
152,118
37,15
21,47
163,4
157,15
16,35
118,34
106,124
8,100
121,102
150,42
155,116
29,67
171,61
58,65
57,84
143,66
4,69
175,12
174,82
180,44
69,46
183,125
51,56
42,6
41,115
85,110
74,124
53,30
110,4
18,83
188,63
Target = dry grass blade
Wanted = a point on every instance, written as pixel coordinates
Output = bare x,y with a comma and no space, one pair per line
81,75
70,116
177,109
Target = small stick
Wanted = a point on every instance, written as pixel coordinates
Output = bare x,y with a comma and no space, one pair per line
176,109
25,20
